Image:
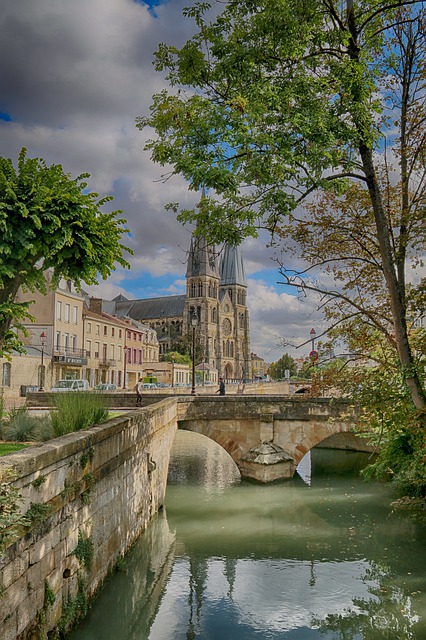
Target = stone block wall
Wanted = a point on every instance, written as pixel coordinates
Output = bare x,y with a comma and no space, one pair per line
92,493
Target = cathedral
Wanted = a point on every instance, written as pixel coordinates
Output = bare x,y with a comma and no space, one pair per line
216,295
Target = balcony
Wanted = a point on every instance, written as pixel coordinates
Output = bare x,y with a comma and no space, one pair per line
67,355
107,362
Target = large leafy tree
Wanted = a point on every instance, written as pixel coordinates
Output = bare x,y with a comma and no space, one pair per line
49,221
277,370
275,101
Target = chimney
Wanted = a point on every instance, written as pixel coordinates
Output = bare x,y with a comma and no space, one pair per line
95,305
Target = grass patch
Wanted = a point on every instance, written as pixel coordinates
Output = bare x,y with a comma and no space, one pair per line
10,447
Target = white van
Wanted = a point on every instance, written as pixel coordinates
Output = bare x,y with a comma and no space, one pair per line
70,385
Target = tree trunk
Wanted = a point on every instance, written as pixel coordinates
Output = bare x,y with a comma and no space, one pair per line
396,299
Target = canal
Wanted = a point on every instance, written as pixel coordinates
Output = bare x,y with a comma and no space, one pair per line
319,557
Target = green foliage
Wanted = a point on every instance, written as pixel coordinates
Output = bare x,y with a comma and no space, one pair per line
277,369
49,601
84,551
76,411
38,512
38,482
73,610
390,422
277,103
48,220
87,457
20,426
177,356
11,520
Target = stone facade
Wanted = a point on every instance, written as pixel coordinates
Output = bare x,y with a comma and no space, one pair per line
102,487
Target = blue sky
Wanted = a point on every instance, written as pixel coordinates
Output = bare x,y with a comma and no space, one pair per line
73,78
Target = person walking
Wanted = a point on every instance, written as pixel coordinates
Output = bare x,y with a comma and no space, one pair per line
221,390
138,389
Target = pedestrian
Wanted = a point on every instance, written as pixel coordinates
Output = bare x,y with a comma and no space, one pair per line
221,390
138,389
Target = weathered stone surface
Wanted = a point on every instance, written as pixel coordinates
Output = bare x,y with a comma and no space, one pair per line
121,498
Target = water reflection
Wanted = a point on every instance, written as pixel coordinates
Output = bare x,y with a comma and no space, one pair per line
321,557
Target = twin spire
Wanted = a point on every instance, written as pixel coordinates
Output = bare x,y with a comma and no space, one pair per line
203,260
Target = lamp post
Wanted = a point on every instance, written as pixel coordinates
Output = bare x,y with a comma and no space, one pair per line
43,337
313,333
125,366
173,369
203,370
194,322
313,354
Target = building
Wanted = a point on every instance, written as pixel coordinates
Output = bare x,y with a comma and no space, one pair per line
216,296
259,367
72,338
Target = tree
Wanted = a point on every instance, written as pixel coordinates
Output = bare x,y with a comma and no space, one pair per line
277,369
288,99
49,221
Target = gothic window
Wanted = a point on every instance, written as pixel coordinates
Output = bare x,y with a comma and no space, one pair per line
231,350
214,314
226,326
241,320
193,290
230,294
209,290
200,289
214,291
227,308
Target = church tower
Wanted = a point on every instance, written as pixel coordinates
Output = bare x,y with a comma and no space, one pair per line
202,295
234,327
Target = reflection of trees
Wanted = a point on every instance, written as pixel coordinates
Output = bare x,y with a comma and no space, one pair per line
387,615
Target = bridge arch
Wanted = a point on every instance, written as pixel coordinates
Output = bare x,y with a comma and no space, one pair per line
266,436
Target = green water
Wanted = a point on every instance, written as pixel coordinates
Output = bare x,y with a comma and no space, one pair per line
320,557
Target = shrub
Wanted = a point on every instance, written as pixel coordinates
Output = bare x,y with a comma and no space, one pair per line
76,411
19,426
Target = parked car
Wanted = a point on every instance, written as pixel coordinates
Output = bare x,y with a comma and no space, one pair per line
149,385
70,385
105,386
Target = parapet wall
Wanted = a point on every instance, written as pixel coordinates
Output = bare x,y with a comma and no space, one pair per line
92,493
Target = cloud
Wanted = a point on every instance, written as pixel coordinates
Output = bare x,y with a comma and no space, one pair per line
73,78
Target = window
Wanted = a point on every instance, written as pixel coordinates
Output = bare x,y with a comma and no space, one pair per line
129,335
134,356
112,352
89,327
104,352
129,356
119,352
74,342
66,341
67,312
105,330
89,348
112,331
58,310
6,374
140,337
58,340
96,349
75,316
140,356
97,329
119,333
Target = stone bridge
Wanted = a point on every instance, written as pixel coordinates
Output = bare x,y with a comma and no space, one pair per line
267,436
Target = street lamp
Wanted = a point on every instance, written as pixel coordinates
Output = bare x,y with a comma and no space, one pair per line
313,354
194,322
43,337
125,366
173,369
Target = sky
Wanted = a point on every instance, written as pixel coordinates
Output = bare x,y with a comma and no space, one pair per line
74,75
